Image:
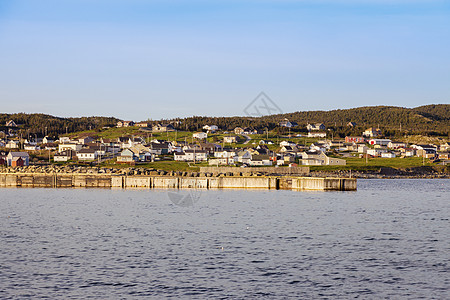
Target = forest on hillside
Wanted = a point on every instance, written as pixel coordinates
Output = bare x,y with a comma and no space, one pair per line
42,124
432,120
428,120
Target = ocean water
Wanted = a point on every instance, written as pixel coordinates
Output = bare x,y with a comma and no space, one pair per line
388,240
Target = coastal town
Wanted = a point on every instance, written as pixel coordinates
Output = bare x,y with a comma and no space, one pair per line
242,147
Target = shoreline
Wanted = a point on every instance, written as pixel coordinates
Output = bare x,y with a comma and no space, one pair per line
382,173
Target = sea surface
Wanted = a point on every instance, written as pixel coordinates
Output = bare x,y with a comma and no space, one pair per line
388,240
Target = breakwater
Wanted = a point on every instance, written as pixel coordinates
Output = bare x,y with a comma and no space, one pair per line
67,180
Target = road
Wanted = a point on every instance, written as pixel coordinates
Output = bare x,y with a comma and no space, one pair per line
248,139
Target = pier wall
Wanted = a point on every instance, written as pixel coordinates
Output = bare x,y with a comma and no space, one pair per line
265,170
175,182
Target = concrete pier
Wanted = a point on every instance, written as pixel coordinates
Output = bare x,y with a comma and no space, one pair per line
55,180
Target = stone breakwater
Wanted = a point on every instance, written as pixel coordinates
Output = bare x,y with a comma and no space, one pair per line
144,178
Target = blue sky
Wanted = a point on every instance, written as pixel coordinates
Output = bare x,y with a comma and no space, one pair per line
140,59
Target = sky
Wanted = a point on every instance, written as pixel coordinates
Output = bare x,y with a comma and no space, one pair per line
161,59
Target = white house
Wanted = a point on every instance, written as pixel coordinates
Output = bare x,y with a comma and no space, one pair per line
396,145
64,140
211,128
388,155
376,152
64,156
318,158
362,148
372,132
288,124
31,147
231,139
317,134
260,160
223,161
87,154
191,155
288,143
315,127
200,135
71,146
224,153
243,156
381,142
127,156
12,144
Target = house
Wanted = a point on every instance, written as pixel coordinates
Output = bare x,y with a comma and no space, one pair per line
444,147
396,145
252,131
143,124
372,132
355,139
163,128
127,156
288,124
243,156
225,153
12,144
427,151
260,160
11,123
315,127
286,149
125,142
444,155
71,146
319,146
265,142
87,154
192,155
200,135
318,158
362,148
210,147
221,161
65,156
47,140
29,147
137,140
12,159
125,123
317,134
159,148
98,147
86,140
388,155
238,130
64,140
288,143
351,124
211,128
381,142
231,139
408,152
376,152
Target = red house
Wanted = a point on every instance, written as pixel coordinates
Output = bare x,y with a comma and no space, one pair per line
355,139
17,162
